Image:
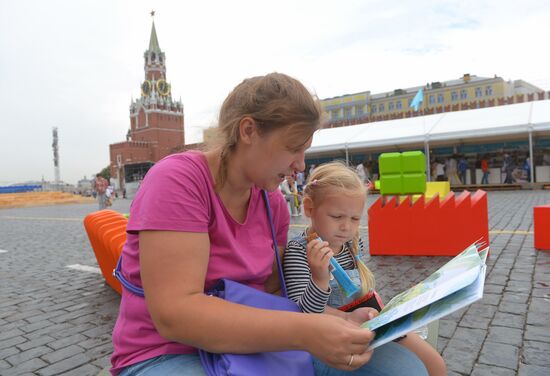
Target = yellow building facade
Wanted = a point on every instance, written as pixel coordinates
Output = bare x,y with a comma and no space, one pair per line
467,92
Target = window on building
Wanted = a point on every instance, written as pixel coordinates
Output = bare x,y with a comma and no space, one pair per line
358,111
347,111
454,96
373,109
463,94
489,90
440,98
479,92
381,107
399,105
334,114
391,106
431,99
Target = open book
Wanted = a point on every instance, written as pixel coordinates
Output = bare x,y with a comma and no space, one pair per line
456,284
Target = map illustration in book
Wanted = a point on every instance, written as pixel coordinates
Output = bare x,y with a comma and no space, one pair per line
455,285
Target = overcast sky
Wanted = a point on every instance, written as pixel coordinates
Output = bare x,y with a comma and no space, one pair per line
77,64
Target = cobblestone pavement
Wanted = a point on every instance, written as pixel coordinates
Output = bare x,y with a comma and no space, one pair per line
55,320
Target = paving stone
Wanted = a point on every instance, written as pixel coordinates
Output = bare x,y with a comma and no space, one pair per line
511,307
510,336
64,365
482,310
30,365
86,369
515,298
492,299
474,321
500,355
536,353
537,333
533,370
509,320
446,328
23,356
486,370
66,341
35,342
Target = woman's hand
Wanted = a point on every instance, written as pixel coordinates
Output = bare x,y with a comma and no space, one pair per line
334,340
318,258
361,315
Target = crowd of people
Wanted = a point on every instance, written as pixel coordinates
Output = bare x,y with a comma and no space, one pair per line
457,169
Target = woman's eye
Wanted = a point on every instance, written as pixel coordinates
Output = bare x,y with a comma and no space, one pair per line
336,216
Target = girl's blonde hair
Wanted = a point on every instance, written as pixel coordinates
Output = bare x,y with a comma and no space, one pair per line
274,101
336,177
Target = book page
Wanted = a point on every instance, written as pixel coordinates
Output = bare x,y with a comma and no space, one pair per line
429,313
459,272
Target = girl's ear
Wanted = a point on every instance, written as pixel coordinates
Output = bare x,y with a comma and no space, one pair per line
308,206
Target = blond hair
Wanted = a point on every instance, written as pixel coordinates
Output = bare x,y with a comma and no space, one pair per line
274,101
336,177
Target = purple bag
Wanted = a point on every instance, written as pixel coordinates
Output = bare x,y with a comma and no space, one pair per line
285,363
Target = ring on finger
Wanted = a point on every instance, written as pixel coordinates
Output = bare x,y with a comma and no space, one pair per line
351,360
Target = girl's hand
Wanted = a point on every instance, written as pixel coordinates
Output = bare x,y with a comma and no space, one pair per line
361,315
334,340
318,258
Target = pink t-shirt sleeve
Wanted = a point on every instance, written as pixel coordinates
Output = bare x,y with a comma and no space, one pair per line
172,197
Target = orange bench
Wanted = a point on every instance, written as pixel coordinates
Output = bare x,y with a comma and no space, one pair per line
541,217
106,230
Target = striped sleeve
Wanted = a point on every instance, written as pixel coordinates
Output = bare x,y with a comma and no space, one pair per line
299,284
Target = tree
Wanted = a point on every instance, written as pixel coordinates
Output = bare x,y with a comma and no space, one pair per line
106,173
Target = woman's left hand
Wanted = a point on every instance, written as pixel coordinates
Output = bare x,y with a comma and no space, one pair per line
361,315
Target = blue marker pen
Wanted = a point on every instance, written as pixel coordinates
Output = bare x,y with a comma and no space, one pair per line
342,278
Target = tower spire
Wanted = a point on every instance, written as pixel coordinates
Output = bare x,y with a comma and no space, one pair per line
153,41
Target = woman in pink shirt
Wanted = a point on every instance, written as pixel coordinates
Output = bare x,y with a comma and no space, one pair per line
199,217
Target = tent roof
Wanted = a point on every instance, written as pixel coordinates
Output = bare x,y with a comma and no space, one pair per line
494,122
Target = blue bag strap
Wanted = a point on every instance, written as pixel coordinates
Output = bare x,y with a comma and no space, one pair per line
279,266
139,291
124,282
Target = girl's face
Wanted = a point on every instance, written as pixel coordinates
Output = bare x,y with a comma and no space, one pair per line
273,156
336,218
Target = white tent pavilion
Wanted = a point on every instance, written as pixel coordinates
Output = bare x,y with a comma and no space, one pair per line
480,125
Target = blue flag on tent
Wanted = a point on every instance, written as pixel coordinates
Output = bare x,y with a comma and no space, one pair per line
418,99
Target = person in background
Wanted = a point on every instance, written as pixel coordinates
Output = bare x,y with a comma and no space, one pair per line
300,180
485,170
293,197
100,186
439,171
462,169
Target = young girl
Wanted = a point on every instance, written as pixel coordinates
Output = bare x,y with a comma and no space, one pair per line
334,198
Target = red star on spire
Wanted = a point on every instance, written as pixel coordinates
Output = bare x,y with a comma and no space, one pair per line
152,13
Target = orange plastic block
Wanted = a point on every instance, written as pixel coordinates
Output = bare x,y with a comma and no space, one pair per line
428,228
541,215
106,230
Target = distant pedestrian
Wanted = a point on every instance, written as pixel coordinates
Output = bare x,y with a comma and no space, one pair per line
100,187
462,169
485,170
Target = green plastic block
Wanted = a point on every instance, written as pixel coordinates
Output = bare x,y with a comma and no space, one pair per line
402,173
389,163
414,183
413,161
